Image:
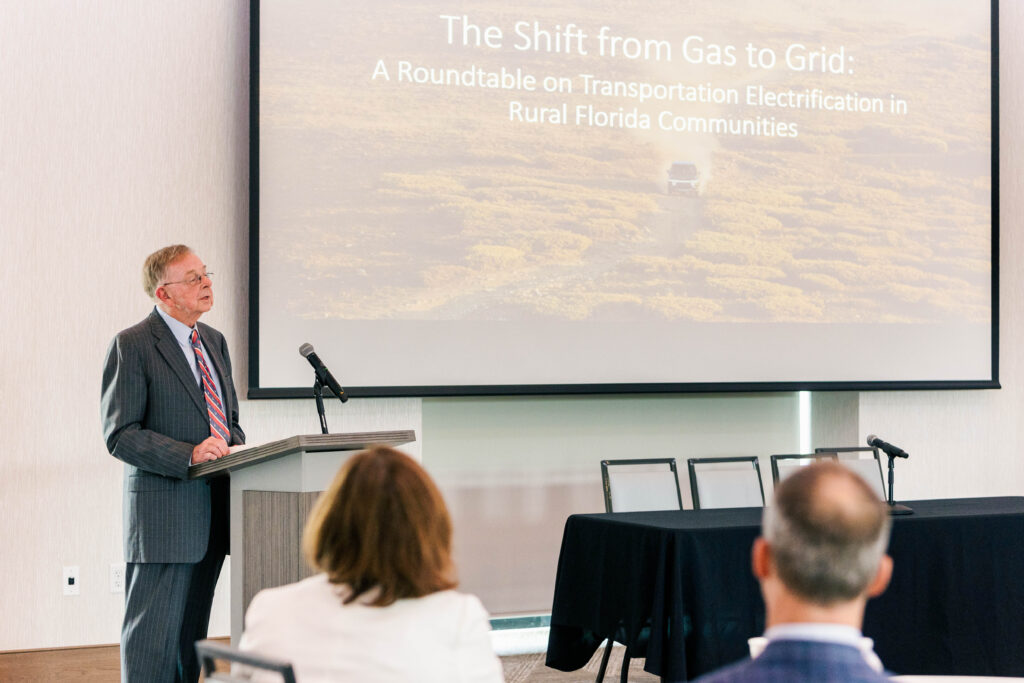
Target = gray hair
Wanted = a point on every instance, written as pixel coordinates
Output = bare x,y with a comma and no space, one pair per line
155,267
826,547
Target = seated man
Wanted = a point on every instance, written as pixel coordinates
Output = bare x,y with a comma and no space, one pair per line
821,556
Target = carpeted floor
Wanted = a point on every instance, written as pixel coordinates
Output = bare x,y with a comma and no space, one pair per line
531,669
99,664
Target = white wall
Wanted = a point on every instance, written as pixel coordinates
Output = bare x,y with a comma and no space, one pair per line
121,128
124,127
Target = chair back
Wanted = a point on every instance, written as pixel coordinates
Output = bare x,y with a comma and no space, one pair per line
786,464
209,652
725,482
641,485
866,462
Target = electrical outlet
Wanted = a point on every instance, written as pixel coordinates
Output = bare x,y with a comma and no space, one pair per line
117,577
71,583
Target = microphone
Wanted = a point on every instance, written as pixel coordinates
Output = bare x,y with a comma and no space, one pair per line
322,373
893,451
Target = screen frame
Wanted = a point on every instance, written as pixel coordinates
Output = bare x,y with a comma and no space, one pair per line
255,391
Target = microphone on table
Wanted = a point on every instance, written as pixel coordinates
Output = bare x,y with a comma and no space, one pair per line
322,373
888,448
892,452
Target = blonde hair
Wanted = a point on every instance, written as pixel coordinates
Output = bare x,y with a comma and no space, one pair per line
155,266
382,524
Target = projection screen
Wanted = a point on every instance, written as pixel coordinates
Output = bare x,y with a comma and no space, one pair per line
569,196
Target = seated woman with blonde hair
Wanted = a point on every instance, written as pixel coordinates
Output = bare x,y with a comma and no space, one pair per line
382,607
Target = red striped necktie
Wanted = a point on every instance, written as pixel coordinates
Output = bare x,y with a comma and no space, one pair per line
218,423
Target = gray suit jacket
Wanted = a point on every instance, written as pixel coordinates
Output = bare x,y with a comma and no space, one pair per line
154,412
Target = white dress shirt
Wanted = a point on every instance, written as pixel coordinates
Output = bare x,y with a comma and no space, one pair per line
183,335
822,633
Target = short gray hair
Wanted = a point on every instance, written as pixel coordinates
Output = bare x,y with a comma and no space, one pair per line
826,548
155,267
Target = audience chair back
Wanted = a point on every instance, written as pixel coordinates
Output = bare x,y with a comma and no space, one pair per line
209,652
641,485
725,482
865,461
787,464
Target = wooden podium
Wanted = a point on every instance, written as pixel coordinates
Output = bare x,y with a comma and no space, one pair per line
273,488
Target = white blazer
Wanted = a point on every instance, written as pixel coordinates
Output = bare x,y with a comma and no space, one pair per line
441,637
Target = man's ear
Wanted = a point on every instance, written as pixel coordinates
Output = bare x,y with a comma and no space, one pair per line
760,558
882,576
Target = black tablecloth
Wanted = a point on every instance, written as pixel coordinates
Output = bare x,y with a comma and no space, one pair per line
677,588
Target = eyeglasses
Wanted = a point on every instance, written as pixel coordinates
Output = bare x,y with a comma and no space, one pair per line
192,281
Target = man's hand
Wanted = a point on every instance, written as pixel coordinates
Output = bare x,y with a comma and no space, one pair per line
212,448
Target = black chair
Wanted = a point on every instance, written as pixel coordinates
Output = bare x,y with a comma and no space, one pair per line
870,469
783,464
725,482
643,484
209,652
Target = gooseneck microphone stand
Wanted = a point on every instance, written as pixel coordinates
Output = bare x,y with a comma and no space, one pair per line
318,392
323,378
894,508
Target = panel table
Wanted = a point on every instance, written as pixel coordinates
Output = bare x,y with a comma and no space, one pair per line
676,587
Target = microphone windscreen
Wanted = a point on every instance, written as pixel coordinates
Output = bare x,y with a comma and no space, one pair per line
871,438
305,350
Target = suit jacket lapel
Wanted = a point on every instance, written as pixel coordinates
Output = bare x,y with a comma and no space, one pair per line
168,347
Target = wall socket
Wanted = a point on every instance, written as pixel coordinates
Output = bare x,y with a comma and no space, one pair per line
70,582
117,577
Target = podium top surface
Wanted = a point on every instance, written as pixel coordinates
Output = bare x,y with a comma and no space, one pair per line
308,443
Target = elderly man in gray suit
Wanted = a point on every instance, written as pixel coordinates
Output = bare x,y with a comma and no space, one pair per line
168,402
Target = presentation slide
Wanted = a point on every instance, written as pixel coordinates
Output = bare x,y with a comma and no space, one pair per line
454,197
